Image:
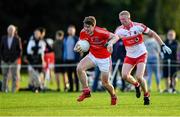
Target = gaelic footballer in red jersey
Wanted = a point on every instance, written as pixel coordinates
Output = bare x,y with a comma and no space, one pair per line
99,55
97,41
131,34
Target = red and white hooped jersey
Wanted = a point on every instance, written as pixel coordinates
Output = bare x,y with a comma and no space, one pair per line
97,42
132,38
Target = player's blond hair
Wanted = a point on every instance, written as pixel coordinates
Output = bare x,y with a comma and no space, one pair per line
126,13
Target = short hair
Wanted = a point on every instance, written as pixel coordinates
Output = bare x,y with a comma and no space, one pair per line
72,26
11,26
172,30
90,20
41,29
60,33
125,13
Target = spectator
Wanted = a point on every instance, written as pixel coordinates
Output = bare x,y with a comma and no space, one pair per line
35,50
178,56
10,50
169,62
153,50
0,85
49,59
96,79
44,63
119,53
18,73
18,63
58,48
71,57
26,58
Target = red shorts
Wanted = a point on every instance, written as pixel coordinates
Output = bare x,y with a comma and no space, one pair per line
19,61
49,58
134,61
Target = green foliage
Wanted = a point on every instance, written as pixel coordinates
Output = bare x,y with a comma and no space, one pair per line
160,15
169,15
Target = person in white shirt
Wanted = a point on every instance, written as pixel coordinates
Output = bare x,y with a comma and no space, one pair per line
35,50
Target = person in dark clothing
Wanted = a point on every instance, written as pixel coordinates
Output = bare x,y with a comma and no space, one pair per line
119,53
169,62
71,57
96,79
10,50
0,85
58,48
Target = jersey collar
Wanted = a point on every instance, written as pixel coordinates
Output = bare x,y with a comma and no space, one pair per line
129,26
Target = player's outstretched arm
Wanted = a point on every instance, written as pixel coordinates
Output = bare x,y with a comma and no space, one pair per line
165,49
112,40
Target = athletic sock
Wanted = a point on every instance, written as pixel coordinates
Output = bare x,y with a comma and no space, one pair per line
136,84
147,94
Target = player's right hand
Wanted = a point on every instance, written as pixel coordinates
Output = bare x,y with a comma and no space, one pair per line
78,49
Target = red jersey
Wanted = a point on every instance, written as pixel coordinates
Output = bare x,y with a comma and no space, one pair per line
97,41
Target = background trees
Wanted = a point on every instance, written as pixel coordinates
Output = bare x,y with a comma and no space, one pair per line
160,15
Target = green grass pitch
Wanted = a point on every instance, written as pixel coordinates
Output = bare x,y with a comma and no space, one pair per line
27,103
65,104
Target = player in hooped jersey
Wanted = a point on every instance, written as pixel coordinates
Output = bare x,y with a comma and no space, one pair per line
131,34
98,55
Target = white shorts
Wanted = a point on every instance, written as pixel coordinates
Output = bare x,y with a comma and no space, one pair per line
103,64
30,68
18,67
51,65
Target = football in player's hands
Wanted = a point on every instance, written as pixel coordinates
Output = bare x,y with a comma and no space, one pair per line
83,45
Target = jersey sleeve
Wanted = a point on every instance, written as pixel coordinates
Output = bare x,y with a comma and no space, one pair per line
144,28
105,34
118,32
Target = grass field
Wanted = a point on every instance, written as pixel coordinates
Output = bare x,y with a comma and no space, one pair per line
50,104
65,104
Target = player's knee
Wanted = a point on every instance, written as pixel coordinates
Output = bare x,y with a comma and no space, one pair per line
125,76
139,78
105,83
79,69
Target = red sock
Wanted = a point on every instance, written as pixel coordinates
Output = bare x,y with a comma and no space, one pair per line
86,89
147,94
136,84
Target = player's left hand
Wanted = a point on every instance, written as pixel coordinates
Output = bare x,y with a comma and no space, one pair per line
166,49
110,48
